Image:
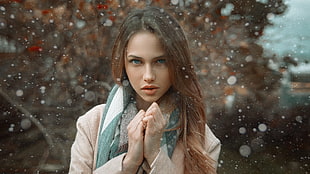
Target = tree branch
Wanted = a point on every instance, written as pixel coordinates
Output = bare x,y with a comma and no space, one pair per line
42,129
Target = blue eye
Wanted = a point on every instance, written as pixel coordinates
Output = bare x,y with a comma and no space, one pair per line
135,61
161,61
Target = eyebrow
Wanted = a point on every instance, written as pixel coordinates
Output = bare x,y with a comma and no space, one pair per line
138,57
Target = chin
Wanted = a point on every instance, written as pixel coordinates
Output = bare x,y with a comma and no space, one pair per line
150,100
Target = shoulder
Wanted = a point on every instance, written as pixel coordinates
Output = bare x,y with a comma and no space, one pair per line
93,115
84,147
90,121
211,139
213,144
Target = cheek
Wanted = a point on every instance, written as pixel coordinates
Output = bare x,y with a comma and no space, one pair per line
134,76
166,78
128,70
133,72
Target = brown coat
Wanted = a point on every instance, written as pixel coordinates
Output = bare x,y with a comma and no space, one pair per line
84,150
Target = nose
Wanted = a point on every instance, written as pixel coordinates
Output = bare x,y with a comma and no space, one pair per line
149,74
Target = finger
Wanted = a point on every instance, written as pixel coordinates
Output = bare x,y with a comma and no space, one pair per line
135,121
150,108
155,111
140,127
146,119
153,106
136,133
139,116
150,112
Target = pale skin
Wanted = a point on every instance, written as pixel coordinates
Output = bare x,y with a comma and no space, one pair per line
148,73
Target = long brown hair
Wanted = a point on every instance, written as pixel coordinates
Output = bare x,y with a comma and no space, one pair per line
184,81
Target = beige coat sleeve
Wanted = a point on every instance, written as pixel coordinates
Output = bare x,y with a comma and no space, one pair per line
84,148
213,146
163,164
175,165
114,166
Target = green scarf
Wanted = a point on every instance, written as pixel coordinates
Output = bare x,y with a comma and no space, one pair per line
108,141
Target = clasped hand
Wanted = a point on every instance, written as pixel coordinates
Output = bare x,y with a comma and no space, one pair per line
144,137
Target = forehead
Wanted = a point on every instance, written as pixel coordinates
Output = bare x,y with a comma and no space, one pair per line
145,44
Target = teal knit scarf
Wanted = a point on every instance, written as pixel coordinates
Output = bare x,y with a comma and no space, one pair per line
108,140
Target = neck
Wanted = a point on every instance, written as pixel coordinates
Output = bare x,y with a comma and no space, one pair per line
141,104
166,104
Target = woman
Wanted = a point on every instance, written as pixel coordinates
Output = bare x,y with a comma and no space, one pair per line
154,118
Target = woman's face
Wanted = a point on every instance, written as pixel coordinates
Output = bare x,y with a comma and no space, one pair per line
146,67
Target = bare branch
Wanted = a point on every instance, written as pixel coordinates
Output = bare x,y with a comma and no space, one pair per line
27,114
48,138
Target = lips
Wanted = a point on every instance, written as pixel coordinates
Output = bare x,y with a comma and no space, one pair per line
150,89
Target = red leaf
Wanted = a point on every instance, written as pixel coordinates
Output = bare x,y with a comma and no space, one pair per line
232,73
35,49
112,18
45,12
102,6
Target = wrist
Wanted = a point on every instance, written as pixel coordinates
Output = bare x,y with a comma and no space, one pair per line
129,166
150,158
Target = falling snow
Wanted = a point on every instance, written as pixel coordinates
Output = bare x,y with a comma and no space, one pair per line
55,65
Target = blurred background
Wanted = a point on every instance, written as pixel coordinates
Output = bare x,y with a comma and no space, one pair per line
252,58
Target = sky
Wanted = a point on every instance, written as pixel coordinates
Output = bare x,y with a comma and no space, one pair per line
290,34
